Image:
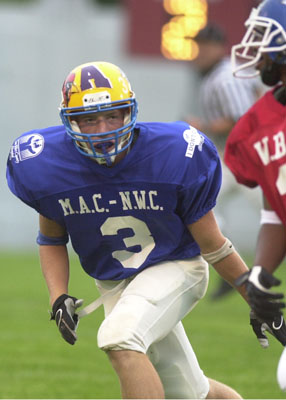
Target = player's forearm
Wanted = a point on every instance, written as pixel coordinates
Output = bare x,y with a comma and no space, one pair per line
270,248
55,267
230,268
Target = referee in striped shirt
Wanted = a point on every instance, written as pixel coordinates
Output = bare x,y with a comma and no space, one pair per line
223,99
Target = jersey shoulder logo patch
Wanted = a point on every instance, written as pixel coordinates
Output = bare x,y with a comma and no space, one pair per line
26,147
193,138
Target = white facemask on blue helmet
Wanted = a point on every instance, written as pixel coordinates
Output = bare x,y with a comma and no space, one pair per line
266,33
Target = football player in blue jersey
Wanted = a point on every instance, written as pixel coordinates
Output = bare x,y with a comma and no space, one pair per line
136,201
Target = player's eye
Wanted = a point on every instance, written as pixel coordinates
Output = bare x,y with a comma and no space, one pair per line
112,116
88,120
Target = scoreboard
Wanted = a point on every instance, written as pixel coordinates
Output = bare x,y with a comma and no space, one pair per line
166,28
186,19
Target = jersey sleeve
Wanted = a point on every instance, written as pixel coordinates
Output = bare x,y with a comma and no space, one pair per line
34,165
197,199
236,155
18,175
15,184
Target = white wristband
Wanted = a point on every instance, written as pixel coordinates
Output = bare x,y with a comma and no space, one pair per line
217,255
269,217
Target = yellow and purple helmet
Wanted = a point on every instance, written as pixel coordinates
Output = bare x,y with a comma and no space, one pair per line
92,88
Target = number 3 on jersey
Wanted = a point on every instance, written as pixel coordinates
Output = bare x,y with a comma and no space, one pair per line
141,237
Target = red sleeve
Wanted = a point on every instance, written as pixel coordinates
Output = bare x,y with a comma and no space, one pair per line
237,152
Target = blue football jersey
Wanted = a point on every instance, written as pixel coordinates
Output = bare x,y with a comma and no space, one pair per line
128,217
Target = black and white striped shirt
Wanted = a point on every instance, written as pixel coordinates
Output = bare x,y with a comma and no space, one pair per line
224,96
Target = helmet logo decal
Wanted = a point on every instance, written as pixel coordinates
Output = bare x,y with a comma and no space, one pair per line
193,138
26,147
67,87
92,77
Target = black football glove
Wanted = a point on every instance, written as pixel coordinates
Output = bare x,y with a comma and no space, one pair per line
64,314
265,303
275,326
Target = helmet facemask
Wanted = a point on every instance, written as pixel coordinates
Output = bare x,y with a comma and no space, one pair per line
264,35
103,146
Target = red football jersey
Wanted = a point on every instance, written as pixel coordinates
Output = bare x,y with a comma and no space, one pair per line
256,151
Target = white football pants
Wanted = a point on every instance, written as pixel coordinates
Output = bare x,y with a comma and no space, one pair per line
145,315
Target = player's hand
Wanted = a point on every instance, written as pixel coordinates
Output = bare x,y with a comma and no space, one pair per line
265,303
274,326
66,319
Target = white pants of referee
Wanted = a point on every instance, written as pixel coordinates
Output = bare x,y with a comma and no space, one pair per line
145,315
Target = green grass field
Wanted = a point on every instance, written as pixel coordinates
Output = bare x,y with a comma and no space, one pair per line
37,364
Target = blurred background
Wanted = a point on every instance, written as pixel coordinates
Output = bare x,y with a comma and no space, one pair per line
151,40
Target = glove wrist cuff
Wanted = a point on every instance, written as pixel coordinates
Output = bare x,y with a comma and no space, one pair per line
57,303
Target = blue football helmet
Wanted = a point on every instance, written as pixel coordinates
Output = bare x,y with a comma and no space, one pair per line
92,88
266,33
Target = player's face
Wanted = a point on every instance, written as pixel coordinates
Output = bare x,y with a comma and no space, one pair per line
263,62
271,73
101,122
